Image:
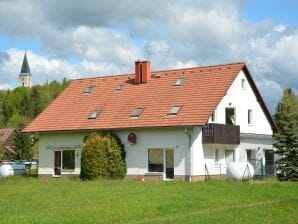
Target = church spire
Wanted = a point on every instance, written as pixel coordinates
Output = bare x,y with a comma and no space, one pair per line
25,77
25,65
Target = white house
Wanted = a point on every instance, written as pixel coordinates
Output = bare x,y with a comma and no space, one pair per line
175,124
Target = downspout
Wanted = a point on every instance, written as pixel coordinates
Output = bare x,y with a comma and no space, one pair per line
189,154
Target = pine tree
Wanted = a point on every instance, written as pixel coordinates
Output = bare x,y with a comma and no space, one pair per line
36,104
23,144
287,137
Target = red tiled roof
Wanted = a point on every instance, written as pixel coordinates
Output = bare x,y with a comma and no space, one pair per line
199,95
10,149
6,135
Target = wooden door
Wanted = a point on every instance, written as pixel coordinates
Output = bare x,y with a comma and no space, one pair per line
57,168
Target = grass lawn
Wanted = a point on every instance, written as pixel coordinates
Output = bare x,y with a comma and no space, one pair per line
33,200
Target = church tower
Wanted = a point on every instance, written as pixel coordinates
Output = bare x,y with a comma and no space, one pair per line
25,77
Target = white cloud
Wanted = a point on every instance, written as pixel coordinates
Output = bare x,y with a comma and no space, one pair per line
108,36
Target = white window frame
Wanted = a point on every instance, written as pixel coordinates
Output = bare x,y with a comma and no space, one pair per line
243,84
250,117
164,162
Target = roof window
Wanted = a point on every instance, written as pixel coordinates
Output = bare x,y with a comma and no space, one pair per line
174,110
89,89
137,112
179,81
120,87
95,114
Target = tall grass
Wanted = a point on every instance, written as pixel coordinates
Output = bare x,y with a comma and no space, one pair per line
32,200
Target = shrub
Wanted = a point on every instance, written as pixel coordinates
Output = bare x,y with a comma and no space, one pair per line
103,157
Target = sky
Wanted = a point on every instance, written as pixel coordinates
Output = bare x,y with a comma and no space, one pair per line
77,39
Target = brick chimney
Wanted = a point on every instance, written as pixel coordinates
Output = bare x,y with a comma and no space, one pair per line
142,72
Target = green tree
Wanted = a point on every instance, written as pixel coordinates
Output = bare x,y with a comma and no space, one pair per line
7,110
23,144
25,106
287,137
36,102
102,157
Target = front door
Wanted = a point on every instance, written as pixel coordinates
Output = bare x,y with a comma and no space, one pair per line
169,164
57,168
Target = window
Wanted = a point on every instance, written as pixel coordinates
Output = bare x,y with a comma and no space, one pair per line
216,156
94,114
136,112
179,81
68,159
229,156
213,117
230,116
89,89
155,160
249,116
249,155
85,139
243,83
120,87
174,110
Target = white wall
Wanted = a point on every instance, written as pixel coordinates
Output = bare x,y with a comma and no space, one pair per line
166,138
242,100
50,142
258,144
136,155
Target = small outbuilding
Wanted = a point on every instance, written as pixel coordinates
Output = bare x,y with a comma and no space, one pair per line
7,141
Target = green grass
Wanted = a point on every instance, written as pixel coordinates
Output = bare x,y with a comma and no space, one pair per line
33,200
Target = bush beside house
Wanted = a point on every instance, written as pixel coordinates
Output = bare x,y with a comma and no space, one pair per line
103,157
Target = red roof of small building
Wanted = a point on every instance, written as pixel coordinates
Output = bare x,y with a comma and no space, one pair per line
7,139
6,136
201,92
10,149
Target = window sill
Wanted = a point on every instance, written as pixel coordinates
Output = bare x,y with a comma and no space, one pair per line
154,173
67,170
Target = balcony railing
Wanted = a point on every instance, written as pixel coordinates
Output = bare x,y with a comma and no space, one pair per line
221,134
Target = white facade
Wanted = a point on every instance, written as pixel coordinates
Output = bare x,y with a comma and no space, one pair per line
256,136
25,80
191,156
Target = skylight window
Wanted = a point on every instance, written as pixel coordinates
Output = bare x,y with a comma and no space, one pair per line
174,110
179,81
120,87
137,112
89,89
94,114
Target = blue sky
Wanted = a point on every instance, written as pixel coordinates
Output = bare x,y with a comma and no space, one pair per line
281,11
82,39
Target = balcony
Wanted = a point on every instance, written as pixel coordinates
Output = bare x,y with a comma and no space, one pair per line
221,134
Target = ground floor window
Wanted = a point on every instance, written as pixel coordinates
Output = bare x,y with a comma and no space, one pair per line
249,155
161,160
229,156
68,159
216,157
64,159
155,160
269,162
